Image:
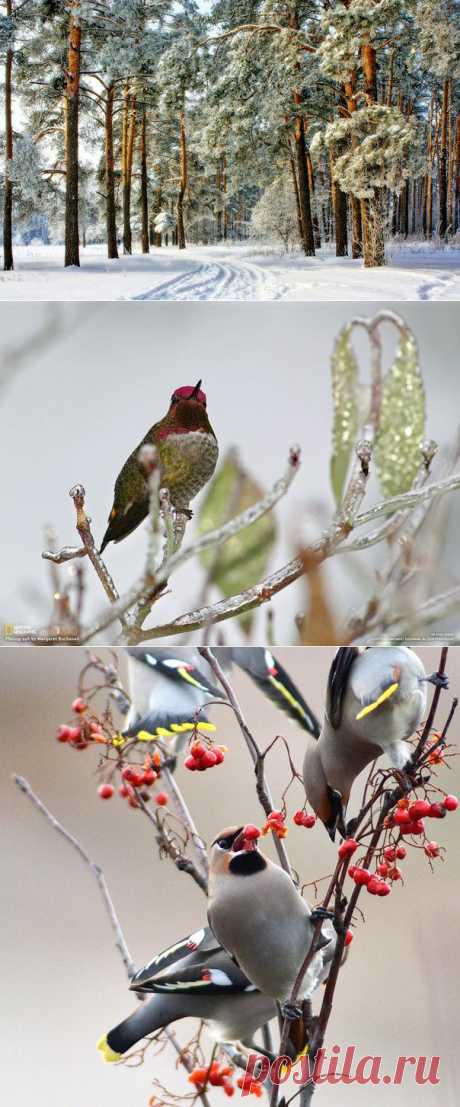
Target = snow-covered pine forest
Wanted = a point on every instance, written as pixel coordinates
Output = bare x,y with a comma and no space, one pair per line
138,123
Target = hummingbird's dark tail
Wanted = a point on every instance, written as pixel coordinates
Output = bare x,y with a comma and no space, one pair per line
122,523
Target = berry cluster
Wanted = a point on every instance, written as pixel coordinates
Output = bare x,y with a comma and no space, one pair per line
142,777
407,819
276,823
248,1085
217,1074
302,818
203,757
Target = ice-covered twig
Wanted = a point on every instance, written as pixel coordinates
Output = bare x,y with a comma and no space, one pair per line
77,494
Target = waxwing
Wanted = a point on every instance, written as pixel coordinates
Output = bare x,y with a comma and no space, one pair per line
194,978
376,699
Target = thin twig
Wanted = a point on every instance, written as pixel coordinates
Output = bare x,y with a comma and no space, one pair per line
257,757
96,870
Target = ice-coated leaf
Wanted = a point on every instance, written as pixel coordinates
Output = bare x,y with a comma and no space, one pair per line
344,371
402,421
243,560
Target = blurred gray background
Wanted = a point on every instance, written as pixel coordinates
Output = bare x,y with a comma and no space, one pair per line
63,980
82,383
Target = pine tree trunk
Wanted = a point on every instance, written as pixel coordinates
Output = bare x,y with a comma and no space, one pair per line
311,184
8,262
144,186
457,176
72,97
182,182
374,243
442,171
403,211
308,242
128,136
296,192
224,192
356,205
356,228
112,248
339,207
219,203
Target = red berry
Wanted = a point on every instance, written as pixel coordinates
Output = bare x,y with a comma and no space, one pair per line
450,803
133,801
411,827
161,799
63,733
390,853
401,853
74,733
219,756
228,1088
105,791
348,938
277,815
347,848
394,873
419,809
351,871
377,887
208,760
124,791
361,876
309,821
382,869
297,818
251,832
192,764
149,777
401,817
79,706
436,811
431,849
156,759
197,749
128,773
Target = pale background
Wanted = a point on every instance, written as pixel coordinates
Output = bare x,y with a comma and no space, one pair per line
73,408
63,981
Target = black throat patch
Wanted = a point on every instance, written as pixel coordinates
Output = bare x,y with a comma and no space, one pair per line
247,863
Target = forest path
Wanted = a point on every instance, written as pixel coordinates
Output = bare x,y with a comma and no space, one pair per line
219,281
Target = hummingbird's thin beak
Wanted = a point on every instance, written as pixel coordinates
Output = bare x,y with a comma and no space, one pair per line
196,390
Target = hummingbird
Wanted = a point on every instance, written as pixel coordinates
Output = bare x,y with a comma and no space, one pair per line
187,451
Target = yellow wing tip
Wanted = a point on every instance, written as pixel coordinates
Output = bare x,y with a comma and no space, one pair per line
107,1053
381,699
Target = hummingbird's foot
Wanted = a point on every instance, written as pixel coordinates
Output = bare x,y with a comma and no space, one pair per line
319,914
440,680
291,1011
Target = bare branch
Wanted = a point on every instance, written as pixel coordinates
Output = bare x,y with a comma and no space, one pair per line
96,870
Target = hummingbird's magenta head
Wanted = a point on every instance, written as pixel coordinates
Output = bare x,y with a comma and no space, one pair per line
189,392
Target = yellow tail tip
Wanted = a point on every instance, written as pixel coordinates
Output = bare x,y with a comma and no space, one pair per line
107,1053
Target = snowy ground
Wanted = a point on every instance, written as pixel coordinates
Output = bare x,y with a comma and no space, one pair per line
233,272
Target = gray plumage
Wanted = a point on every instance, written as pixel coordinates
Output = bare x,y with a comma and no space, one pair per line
195,978
262,921
376,699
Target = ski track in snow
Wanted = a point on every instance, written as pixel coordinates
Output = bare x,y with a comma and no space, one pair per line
218,281
434,289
